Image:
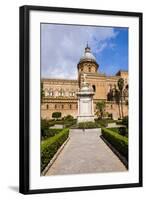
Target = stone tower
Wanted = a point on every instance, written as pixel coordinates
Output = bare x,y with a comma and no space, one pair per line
87,64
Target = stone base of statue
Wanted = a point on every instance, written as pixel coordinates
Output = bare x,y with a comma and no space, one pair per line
85,118
85,104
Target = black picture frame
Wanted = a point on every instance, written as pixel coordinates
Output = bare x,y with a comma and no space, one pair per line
25,106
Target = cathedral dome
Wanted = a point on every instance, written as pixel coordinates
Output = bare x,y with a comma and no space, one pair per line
88,56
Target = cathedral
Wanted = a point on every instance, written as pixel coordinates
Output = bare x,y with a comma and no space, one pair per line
60,94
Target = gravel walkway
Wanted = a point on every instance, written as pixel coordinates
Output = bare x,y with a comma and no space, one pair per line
85,152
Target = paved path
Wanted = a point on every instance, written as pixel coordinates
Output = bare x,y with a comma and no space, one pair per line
85,152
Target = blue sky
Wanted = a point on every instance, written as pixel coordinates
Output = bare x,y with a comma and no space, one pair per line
63,45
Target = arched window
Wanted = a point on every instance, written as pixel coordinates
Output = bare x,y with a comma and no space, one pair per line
62,106
70,106
47,106
61,92
94,88
50,93
55,106
46,92
89,69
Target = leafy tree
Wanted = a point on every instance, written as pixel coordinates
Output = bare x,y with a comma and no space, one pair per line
117,99
100,106
56,115
121,86
110,95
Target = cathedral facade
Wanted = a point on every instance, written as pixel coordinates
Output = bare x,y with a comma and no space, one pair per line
60,94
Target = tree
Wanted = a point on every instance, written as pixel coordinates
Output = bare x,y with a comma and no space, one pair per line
100,106
42,92
56,115
121,86
110,95
117,99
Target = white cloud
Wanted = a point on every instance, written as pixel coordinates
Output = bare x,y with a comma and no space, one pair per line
63,45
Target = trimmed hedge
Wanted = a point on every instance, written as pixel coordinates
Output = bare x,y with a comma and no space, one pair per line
50,146
50,133
66,123
125,121
120,130
70,123
103,122
87,125
118,141
68,117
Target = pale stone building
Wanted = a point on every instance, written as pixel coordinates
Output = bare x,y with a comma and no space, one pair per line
60,94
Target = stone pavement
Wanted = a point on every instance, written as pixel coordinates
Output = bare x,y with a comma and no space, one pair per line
85,152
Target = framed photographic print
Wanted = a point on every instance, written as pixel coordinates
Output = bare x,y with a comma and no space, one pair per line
80,99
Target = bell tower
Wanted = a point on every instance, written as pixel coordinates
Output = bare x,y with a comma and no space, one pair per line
87,63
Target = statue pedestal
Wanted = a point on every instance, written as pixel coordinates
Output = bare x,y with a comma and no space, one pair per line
85,104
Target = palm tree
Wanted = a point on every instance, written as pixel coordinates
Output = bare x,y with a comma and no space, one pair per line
121,86
100,106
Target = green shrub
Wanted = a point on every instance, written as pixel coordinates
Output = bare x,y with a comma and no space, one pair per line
104,122
125,121
44,124
114,129
123,131
119,122
56,115
110,115
59,122
87,125
50,133
68,117
101,122
118,141
50,146
44,127
120,130
67,123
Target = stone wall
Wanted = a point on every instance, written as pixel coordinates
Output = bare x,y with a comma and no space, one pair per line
71,108
60,94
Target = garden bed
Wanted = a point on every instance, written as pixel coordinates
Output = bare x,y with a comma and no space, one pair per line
50,146
119,142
